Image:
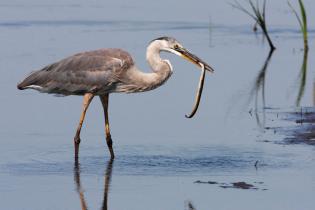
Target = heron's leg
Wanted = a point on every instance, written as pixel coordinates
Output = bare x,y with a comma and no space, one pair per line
87,98
104,100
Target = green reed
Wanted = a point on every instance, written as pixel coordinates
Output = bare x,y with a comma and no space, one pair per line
303,76
302,19
259,15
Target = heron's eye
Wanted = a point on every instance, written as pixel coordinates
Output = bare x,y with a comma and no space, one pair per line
176,46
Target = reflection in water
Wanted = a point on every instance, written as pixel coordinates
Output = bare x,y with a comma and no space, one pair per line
78,183
79,189
260,86
303,74
108,176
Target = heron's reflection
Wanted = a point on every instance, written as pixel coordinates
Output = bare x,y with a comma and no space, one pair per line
260,86
79,189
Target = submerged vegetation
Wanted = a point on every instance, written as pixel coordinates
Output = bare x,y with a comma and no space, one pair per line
259,15
302,19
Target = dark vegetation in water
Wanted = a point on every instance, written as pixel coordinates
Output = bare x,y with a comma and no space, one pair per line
235,185
205,182
301,129
240,185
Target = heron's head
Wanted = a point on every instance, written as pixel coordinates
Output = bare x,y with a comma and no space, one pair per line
171,45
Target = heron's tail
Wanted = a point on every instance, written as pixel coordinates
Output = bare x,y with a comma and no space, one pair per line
36,79
23,85
20,86
30,80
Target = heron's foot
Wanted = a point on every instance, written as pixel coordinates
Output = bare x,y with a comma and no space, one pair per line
110,146
76,141
112,155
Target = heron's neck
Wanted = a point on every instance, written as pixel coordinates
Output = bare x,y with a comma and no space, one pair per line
161,70
136,80
154,59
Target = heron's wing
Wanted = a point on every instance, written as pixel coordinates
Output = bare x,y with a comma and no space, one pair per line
94,71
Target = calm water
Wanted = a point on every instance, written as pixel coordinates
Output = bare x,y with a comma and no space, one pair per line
160,153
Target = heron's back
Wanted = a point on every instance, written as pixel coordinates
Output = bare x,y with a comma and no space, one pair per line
96,72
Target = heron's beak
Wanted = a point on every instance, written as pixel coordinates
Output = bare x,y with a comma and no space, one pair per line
192,58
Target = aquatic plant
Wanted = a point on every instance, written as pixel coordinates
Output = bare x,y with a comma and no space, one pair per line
259,15
302,19
303,74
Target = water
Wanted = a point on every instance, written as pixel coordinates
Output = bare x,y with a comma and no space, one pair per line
160,153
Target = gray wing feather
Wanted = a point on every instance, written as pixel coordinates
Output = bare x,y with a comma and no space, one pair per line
95,72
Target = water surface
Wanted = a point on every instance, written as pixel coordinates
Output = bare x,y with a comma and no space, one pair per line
247,115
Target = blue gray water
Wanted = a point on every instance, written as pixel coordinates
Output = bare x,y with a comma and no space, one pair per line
160,153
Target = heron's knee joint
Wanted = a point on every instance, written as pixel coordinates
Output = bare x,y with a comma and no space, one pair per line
77,140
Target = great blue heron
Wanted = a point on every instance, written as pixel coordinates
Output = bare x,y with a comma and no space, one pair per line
106,71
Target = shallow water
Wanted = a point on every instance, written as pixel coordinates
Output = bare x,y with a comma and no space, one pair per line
160,153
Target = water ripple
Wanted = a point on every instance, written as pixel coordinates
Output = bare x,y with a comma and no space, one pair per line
155,161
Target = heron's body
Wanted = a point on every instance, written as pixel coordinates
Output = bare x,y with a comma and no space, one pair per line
106,71
98,72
